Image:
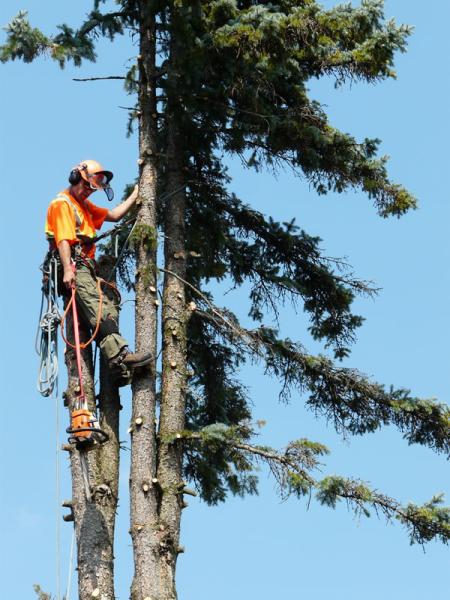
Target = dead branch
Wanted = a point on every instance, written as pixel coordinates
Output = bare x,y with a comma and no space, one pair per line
98,78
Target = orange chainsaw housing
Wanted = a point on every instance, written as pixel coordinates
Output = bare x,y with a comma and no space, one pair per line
81,423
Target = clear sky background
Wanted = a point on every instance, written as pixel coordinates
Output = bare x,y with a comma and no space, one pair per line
258,547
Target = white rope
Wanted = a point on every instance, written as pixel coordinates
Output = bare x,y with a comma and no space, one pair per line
47,333
69,576
58,504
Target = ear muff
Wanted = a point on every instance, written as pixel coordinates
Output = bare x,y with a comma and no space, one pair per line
74,177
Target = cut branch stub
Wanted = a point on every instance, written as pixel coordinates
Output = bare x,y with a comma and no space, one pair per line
69,518
188,491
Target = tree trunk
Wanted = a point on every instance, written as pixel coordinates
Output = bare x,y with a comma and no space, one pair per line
173,388
172,414
108,455
144,490
94,520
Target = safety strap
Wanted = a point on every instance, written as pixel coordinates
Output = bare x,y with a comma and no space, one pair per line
68,199
76,330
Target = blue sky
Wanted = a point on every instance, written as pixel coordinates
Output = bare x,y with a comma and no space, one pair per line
258,547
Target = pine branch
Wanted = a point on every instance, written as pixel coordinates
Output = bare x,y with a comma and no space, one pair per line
284,263
40,593
346,397
297,247
27,43
291,470
23,41
258,61
108,22
281,262
350,42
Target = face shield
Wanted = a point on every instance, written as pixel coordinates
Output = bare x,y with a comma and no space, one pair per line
109,192
100,181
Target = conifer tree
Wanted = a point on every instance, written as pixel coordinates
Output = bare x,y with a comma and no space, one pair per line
229,77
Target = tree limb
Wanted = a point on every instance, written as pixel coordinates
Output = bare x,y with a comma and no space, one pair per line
424,523
98,78
345,396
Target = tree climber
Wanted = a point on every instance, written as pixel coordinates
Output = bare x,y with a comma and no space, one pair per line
72,221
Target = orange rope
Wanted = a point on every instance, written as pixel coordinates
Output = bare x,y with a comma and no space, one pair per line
97,324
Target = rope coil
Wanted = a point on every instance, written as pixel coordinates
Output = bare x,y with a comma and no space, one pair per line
46,343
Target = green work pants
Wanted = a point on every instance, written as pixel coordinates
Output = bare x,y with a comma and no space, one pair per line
88,301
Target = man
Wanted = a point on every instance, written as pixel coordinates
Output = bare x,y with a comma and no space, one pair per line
72,221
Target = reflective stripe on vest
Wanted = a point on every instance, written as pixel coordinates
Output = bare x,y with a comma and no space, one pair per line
78,220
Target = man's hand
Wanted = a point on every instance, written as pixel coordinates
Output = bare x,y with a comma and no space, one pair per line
69,277
134,194
121,210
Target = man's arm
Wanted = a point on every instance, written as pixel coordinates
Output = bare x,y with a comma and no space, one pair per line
120,211
65,255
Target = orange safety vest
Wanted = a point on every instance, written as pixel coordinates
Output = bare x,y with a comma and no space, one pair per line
77,225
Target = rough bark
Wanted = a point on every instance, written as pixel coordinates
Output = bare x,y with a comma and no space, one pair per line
94,521
108,455
143,489
172,414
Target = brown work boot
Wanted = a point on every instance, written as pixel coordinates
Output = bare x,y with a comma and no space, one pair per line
131,360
